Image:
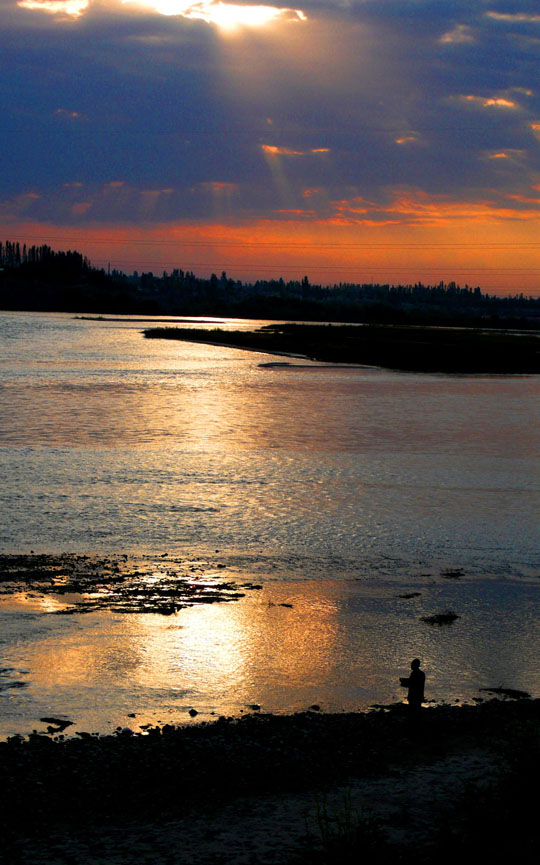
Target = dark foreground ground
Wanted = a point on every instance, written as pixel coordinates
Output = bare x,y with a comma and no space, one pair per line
307,788
415,349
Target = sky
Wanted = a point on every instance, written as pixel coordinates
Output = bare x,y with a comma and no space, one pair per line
371,140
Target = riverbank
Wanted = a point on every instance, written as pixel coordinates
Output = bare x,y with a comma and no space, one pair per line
411,349
277,789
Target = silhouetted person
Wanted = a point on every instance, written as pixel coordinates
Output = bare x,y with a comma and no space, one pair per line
415,683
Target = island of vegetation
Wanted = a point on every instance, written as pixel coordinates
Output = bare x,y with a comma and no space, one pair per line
415,349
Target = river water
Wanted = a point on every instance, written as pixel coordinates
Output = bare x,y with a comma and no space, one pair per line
337,489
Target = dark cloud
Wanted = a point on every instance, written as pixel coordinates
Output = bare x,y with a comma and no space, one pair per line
416,94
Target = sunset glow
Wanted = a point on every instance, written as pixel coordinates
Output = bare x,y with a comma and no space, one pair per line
481,245
364,138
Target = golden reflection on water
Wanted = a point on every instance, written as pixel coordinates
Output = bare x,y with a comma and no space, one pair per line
89,656
31,602
236,651
217,399
341,645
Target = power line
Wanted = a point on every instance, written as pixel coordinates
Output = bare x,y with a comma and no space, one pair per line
278,245
272,131
221,264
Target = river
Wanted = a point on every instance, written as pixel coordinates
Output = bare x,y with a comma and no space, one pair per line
339,490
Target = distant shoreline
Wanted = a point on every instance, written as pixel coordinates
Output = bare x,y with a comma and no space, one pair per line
140,319
407,349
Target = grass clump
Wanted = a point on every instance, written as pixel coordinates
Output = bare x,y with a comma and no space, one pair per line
340,835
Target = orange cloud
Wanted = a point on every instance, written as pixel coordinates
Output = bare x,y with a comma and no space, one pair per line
511,17
512,153
63,112
524,198
415,207
273,150
353,205
499,102
489,102
461,34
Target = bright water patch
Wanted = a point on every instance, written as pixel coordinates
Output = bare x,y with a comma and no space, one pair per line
342,646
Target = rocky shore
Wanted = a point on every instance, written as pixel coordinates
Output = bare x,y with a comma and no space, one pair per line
121,583
273,789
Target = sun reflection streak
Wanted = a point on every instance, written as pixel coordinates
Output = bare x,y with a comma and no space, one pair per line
216,650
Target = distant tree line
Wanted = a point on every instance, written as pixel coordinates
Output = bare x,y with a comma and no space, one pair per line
39,278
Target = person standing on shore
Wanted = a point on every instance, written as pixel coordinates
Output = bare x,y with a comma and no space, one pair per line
415,683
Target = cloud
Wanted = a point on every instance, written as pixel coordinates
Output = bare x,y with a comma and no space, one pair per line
56,7
461,34
198,123
227,16
67,114
275,150
514,17
510,154
488,101
525,199
406,139
416,207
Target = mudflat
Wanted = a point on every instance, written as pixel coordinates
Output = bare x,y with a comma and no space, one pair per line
120,583
413,349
